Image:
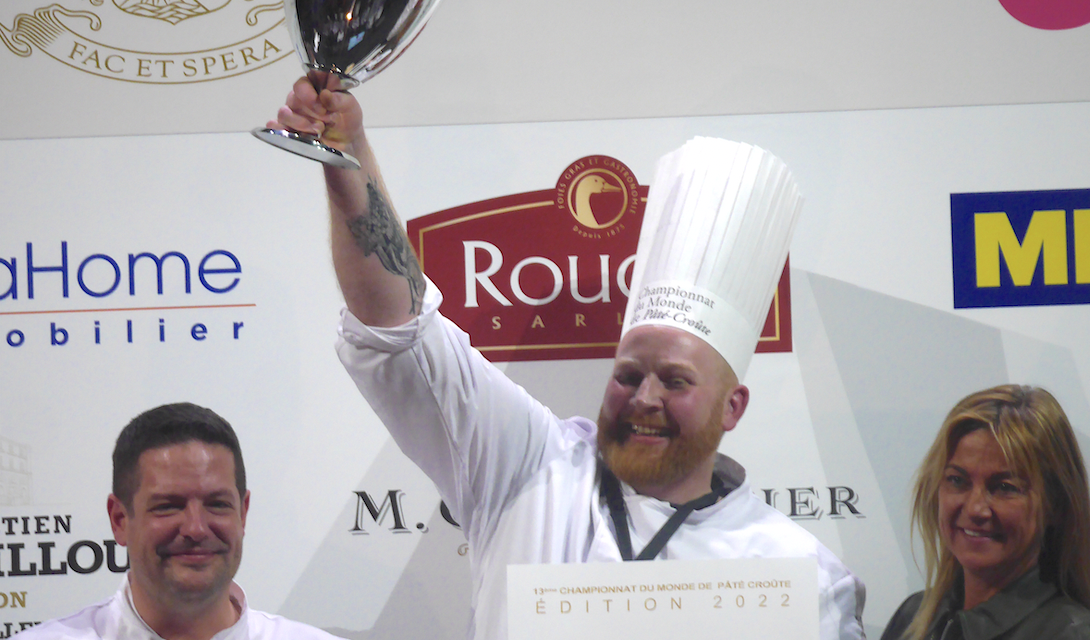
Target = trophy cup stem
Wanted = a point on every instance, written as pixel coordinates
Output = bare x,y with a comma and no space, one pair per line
306,145
335,79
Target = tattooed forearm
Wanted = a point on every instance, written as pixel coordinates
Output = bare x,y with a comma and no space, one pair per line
380,232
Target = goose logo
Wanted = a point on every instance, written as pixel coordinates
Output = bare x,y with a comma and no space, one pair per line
1053,15
154,41
598,192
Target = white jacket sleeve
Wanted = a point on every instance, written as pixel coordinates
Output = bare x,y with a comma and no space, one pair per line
474,432
841,600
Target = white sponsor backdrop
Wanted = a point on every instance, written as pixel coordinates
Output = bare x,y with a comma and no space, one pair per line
482,61
879,353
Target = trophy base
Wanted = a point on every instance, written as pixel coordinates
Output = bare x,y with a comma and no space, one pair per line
307,146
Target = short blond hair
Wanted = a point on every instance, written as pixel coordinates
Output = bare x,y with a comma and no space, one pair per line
1037,440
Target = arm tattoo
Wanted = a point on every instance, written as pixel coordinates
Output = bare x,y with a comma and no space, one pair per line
380,232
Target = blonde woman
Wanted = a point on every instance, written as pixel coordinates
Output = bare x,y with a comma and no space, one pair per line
1001,506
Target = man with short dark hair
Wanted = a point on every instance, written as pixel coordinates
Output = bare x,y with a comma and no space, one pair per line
179,505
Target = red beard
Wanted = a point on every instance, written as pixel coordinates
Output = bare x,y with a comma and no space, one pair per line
642,464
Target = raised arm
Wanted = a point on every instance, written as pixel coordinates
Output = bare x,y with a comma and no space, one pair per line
478,435
379,275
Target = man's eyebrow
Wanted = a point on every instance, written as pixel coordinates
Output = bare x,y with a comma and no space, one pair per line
684,366
164,495
669,365
169,495
221,492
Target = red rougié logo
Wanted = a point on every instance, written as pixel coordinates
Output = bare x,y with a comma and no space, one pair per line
545,275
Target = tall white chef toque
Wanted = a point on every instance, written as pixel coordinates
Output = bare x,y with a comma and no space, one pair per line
714,240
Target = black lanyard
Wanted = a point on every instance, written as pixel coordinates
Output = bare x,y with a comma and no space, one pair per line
611,488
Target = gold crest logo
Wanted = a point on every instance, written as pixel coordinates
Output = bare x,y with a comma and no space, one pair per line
172,11
155,41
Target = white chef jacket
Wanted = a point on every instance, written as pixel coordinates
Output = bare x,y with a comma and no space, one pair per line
116,619
523,483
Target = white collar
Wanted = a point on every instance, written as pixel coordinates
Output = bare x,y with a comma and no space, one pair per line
133,627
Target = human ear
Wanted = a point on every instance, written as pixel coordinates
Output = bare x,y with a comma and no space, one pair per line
244,508
735,406
119,519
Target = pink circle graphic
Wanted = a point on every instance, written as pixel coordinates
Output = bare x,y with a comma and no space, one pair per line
1049,14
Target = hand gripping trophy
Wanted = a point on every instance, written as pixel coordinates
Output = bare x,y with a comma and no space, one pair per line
351,41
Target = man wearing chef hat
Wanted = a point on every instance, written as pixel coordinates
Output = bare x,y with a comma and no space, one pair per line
645,481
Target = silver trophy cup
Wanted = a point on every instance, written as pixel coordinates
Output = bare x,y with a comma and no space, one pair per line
351,40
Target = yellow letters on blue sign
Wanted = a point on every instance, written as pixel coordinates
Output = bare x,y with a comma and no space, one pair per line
1047,234
1020,248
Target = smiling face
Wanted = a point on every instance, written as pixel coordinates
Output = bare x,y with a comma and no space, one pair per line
666,406
988,516
184,527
